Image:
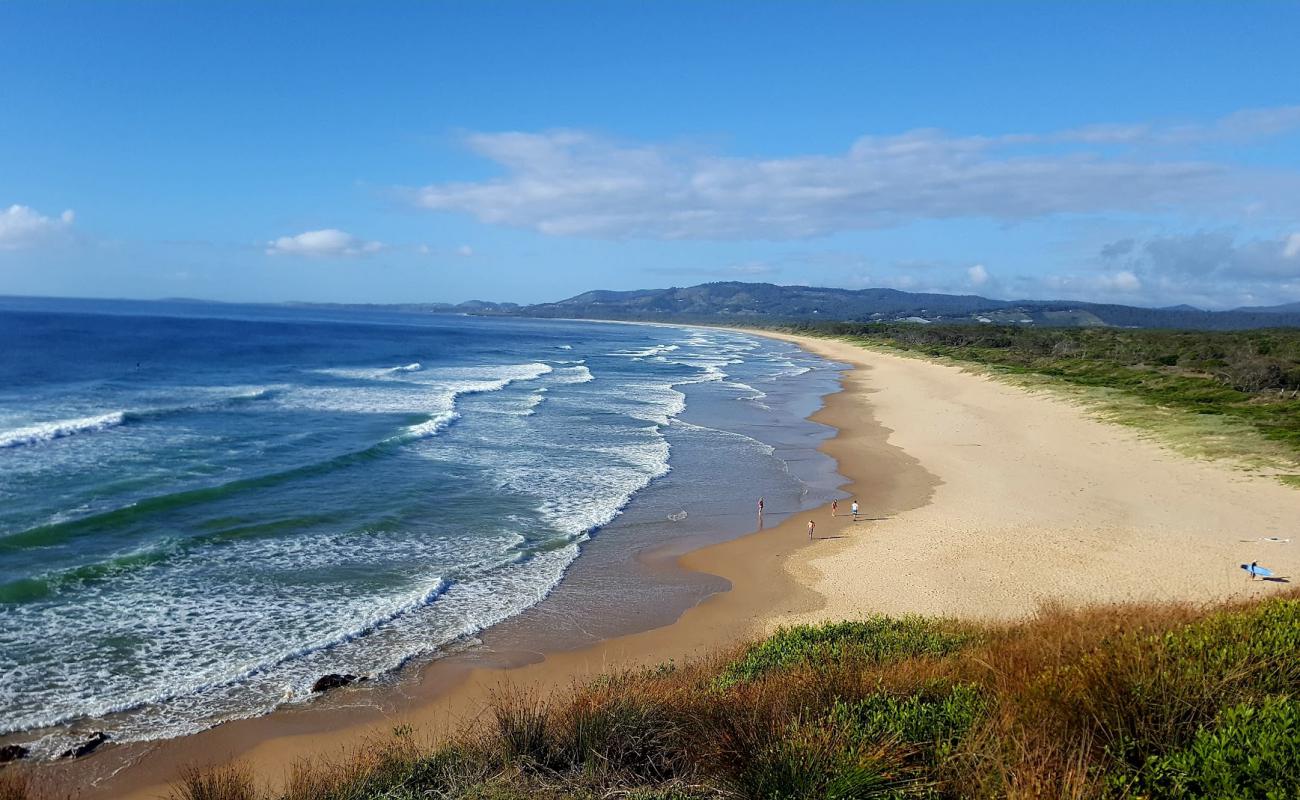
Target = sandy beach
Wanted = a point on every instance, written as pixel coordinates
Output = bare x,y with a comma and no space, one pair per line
980,500
1036,501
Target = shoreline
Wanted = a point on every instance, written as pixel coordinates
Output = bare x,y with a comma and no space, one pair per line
983,502
440,696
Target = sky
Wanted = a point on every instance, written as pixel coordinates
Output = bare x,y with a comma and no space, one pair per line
1144,153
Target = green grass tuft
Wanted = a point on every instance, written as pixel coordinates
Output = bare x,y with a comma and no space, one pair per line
875,640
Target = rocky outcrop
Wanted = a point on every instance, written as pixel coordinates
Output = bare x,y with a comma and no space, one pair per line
87,747
333,681
12,752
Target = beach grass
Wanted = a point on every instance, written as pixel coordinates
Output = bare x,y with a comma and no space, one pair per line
1232,396
1118,701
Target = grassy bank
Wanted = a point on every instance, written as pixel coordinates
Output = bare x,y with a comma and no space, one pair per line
1232,395
1123,701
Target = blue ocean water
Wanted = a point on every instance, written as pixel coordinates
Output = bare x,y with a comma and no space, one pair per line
204,508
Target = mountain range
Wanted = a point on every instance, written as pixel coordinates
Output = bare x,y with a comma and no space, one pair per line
738,302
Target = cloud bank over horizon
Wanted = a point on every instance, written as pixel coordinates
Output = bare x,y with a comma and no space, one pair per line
569,183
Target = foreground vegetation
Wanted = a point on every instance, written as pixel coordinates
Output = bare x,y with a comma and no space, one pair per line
1233,394
1113,702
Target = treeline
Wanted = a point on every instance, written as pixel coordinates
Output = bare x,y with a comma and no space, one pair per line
1247,361
1251,377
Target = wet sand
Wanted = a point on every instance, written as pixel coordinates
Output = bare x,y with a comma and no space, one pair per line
980,500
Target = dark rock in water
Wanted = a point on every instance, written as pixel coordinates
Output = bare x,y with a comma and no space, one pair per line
12,752
332,681
87,747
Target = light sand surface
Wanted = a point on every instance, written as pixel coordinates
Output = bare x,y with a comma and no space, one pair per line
1038,501
980,500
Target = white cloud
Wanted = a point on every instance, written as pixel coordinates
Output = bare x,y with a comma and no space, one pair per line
571,183
1210,269
464,251
1122,281
1240,126
978,275
22,226
323,244
1292,247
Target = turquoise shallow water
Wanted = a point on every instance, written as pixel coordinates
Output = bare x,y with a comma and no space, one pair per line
203,508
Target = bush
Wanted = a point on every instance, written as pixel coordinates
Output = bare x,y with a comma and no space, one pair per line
932,720
1249,751
222,783
618,733
823,759
875,640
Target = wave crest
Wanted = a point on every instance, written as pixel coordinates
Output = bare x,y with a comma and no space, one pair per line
58,429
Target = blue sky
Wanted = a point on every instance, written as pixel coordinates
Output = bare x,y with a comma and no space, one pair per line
1133,152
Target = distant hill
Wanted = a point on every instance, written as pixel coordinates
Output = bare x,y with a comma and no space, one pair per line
736,302
1285,308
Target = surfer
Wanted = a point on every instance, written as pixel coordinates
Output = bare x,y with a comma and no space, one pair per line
760,506
1253,565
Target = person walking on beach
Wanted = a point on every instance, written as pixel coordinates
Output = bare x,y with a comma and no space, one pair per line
812,526
835,507
853,507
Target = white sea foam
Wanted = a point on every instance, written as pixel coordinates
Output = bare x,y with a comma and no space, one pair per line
646,352
576,478
58,429
578,374
432,392
173,612
206,399
750,441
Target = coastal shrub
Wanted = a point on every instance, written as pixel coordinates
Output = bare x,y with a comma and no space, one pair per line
930,722
873,640
1251,750
1142,694
1133,701
395,767
822,758
622,733
521,730
231,782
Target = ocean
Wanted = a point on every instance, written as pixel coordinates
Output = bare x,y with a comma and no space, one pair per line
204,508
